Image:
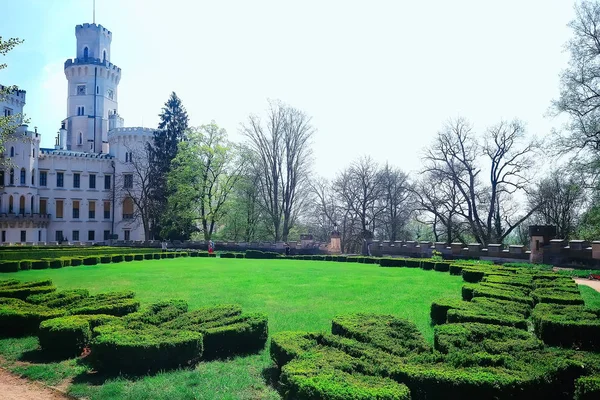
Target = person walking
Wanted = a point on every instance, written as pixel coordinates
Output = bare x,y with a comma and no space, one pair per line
211,247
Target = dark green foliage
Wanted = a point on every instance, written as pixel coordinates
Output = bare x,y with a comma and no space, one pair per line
53,252
439,309
64,336
476,313
342,259
9,266
91,260
556,296
442,267
385,332
587,388
503,292
118,258
25,265
55,263
159,313
456,269
472,275
427,265
261,254
149,256
112,303
117,348
285,346
515,280
329,258
476,337
58,299
9,282
25,289
66,262
226,330
138,257
19,318
370,260
227,255
106,259
567,326
164,255
128,257
392,262
504,306
40,264
353,259
413,263
240,255
194,254
75,262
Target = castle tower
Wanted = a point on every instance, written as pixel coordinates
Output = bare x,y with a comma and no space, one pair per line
92,91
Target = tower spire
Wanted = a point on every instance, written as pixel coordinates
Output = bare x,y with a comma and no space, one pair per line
94,14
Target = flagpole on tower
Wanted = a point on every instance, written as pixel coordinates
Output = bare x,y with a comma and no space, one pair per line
94,16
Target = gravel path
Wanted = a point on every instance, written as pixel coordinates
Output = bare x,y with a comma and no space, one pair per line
15,388
587,282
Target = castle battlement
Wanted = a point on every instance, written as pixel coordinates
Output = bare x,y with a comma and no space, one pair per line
98,27
95,61
130,130
69,153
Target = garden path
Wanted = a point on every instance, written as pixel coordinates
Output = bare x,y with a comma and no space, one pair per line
588,282
14,388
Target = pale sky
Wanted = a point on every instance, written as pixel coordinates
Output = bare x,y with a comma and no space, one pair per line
378,77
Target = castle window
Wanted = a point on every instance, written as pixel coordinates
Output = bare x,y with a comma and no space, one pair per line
91,236
92,210
43,178
107,210
92,181
107,179
110,94
76,180
23,236
80,110
128,208
1,178
22,205
12,151
32,177
80,137
43,206
85,52
59,208
22,177
10,205
75,236
75,209
128,181
80,90
104,56
60,179
7,112
12,176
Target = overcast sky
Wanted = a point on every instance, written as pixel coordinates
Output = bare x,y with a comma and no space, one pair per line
378,77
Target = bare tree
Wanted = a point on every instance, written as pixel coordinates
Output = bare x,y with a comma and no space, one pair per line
559,201
282,146
486,207
396,201
134,188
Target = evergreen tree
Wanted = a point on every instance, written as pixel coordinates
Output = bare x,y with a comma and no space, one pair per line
171,130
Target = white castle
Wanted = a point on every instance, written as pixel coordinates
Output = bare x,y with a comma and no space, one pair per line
74,192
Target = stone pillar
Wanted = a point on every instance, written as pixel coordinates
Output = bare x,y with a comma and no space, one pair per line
474,249
539,236
456,248
494,250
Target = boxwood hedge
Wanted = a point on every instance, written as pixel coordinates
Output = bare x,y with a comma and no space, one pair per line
10,266
587,388
566,325
58,299
19,318
23,290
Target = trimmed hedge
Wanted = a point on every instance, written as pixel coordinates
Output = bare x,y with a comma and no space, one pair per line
439,309
226,330
157,256
413,263
477,337
10,266
517,280
40,264
118,258
456,269
481,315
385,332
23,290
117,348
91,260
388,262
587,388
260,254
227,255
25,265
567,326
128,257
58,299
75,262
427,265
138,257
442,267
549,295
112,303
18,318
55,263
159,313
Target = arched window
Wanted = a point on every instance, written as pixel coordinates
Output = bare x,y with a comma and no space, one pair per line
104,56
85,52
33,177
12,151
10,205
33,153
12,177
22,205
128,208
80,138
23,177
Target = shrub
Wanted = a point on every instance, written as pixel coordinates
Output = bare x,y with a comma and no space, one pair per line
58,299
549,295
106,259
40,264
240,255
9,266
439,309
157,256
159,313
261,254
75,262
55,263
442,267
23,290
19,318
472,275
285,346
64,336
200,254
392,262
342,259
214,255
385,332
587,388
148,256
117,348
427,265
517,280
456,269
112,303
25,265
128,257
371,260
138,257
4,283
475,313
566,325
503,306
91,260
328,258
227,255
476,337
226,331
184,254
194,254
66,262
413,263
502,292
169,255
353,259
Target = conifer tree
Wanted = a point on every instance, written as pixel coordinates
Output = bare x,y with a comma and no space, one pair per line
171,130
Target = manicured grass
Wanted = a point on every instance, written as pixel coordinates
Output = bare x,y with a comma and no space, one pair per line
591,297
296,295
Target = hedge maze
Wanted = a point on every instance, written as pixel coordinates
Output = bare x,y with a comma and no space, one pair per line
516,334
120,336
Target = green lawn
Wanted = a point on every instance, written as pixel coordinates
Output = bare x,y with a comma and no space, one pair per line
296,295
